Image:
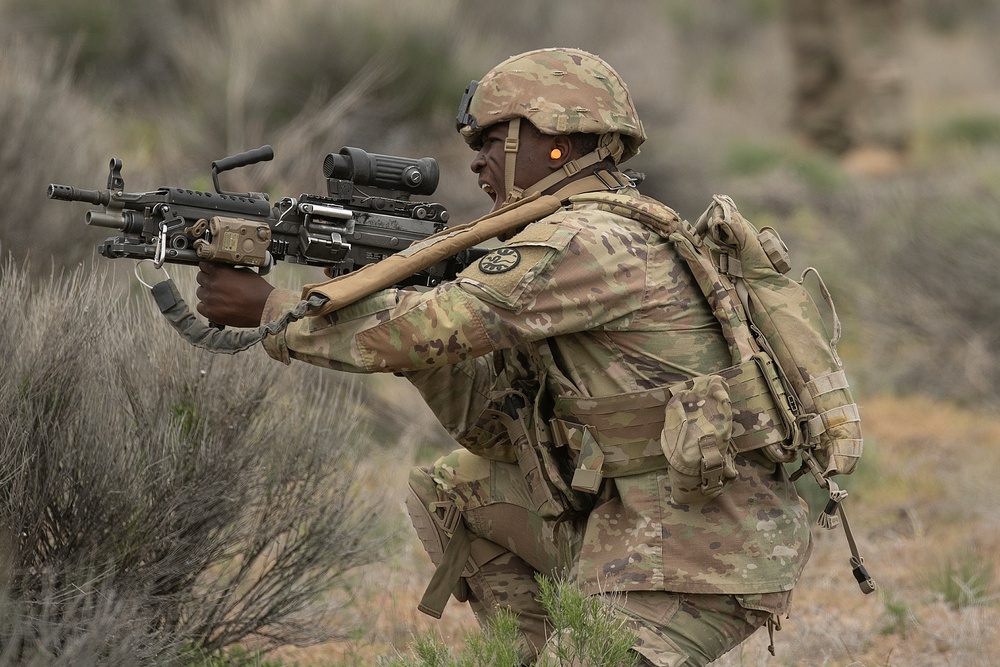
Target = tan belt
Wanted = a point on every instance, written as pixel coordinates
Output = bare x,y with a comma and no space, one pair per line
620,435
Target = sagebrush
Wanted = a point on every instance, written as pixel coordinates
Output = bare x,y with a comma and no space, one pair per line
156,497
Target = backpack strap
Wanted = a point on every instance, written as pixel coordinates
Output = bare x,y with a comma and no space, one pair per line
788,326
741,274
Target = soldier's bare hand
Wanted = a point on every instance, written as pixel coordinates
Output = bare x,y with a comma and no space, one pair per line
230,296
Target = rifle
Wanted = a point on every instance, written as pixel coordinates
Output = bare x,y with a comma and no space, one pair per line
365,216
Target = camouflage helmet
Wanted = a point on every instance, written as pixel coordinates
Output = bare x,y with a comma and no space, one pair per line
560,91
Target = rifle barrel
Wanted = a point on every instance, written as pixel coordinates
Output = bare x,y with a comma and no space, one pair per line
69,193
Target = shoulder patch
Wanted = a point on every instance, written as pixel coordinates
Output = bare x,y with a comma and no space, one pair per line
507,275
500,260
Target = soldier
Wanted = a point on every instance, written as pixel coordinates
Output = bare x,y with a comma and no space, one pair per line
586,312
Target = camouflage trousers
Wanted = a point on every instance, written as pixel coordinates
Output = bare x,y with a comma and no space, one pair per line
509,544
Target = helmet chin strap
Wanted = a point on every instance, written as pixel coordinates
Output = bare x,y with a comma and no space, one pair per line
510,147
609,145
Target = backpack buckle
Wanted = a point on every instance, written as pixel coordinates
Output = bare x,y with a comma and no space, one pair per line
619,181
861,575
730,265
449,521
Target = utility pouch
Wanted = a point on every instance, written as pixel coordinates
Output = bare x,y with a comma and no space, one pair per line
546,501
697,440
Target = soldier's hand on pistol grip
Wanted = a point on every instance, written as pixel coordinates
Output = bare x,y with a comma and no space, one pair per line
230,296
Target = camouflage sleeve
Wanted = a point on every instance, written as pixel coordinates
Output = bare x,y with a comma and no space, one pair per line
550,279
569,273
322,341
575,271
278,303
459,395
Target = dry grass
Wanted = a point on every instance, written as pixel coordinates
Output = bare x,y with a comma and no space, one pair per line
181,498
386,594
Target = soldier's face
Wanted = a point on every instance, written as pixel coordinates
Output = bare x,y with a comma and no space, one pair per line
532,160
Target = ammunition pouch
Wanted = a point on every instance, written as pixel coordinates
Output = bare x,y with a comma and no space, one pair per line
696,440
691,429
535,467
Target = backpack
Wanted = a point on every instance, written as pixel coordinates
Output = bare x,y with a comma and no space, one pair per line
785,322
769,319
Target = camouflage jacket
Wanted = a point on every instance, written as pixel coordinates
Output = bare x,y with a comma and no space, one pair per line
583,303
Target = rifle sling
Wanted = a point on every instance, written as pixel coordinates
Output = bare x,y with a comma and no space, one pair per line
350,287
178,314
324,298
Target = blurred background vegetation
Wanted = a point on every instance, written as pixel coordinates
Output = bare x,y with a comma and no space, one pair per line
906,237
870,139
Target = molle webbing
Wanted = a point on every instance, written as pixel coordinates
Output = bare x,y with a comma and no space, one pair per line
759,308
626,428
791,328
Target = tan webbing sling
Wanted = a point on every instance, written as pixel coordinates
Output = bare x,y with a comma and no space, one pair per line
323,298
348,288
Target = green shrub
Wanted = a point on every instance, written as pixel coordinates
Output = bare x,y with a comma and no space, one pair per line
237,656
970,130
924,260
51,133
745,158
965,581
812,168
585,631
898,614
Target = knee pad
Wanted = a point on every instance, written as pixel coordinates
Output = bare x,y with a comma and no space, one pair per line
434,517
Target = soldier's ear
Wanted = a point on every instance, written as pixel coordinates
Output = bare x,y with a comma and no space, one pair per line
561,151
